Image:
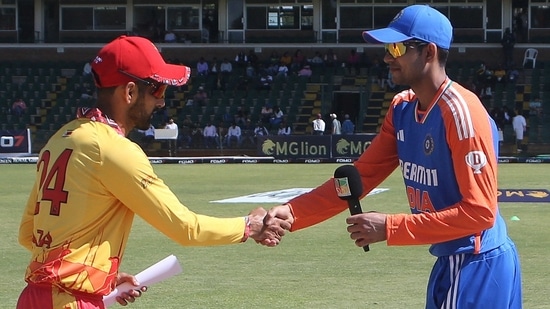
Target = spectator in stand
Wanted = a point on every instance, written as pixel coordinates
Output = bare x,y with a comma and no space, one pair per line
284,129
353,62
202,67
286,60
214,71
253,59
260,130
197,137
242,114
375,69
298,61
227,117
222,133
274,57
282,71
535,108
87,69
500,74
187,122
520,126
247,134
536,117
498,116
485,81
508,41
330,59
185,138
170,37
233,135
512,75
336,125
276,118
86,92
241,60
273,68
265,80
347,126
266,113
305,71
521,25
201,97
318,125
210,134
148,136
507,115
19,108
226,68
172,143
250,71
317,60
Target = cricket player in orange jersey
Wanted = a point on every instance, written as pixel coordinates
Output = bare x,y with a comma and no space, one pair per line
91,181
446,145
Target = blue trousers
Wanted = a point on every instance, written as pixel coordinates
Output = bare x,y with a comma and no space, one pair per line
490,280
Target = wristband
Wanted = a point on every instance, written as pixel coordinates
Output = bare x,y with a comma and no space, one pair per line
246,229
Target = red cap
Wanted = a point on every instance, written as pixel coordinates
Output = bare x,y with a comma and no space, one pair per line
137,56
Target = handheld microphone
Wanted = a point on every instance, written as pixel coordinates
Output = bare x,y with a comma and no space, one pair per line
349,187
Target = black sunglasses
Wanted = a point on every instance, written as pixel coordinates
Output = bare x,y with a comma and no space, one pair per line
157,89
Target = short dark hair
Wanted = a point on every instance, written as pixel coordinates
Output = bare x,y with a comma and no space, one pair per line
442,54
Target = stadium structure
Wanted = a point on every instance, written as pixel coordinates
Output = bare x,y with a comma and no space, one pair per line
44,45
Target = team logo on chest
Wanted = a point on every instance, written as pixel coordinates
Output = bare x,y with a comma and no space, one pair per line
428,145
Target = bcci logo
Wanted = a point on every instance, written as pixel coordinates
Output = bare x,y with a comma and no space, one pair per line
428,145
268,147
397,16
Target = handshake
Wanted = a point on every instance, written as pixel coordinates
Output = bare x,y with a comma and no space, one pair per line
268,227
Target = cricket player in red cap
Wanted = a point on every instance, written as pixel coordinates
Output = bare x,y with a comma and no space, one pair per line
91,181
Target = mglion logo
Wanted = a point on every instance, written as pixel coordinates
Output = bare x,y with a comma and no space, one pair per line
268,147
342,146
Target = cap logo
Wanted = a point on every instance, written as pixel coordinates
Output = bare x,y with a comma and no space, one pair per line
397,16
98,59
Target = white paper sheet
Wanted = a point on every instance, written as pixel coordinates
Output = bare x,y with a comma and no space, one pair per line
160,271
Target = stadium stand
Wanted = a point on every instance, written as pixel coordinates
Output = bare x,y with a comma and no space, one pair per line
53,90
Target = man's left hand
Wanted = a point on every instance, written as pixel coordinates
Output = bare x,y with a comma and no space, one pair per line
131,295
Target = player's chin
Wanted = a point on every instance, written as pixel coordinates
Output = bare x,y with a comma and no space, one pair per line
143,125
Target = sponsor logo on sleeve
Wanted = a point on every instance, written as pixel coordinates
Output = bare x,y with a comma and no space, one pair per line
476,160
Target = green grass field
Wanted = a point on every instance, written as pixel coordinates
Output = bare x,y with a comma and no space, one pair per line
318,267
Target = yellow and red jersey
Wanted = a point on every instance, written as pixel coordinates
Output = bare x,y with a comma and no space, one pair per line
90,182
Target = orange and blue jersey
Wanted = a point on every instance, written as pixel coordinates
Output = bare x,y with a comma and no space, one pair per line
448,158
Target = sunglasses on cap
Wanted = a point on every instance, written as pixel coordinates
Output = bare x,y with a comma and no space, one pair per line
157,89
399,49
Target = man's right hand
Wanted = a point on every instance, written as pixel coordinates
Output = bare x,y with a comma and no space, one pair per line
281,212
278,217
